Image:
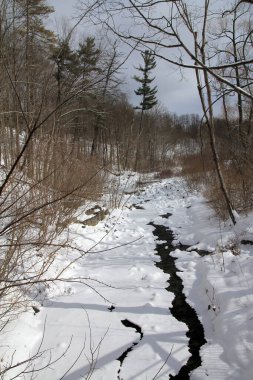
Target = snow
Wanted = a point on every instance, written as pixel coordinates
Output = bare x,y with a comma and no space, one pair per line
80,336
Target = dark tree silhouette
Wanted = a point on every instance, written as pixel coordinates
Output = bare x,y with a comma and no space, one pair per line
148,94
145,90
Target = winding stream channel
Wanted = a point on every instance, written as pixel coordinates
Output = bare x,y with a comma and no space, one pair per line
180,309
123,356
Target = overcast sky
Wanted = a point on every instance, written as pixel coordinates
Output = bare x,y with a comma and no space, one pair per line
175,93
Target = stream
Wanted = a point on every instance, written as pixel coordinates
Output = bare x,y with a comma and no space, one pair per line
180,309
123,356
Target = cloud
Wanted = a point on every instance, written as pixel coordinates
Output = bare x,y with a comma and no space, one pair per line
175,93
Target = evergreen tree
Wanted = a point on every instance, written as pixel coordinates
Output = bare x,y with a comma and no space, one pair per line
28,26
148,94
32,16
66,63
88,57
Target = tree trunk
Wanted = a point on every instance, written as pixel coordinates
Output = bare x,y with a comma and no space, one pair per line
208,112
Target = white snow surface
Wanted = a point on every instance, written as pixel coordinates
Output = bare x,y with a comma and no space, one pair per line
81,338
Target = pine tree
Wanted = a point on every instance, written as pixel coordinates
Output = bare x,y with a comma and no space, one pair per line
66,63
32,14
88,57
148,94
29,23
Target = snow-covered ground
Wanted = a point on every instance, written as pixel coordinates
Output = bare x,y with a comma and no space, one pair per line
79,328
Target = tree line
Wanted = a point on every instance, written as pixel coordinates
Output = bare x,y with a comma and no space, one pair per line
215,42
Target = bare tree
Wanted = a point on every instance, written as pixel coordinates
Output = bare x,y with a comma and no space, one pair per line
42,182
179,33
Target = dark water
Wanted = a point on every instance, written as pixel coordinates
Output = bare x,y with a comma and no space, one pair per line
180,309
123,356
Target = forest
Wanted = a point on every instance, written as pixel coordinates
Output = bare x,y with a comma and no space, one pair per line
71,141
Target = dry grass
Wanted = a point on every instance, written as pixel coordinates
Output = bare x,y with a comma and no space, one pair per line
165,173
200,174
239,186
193,164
